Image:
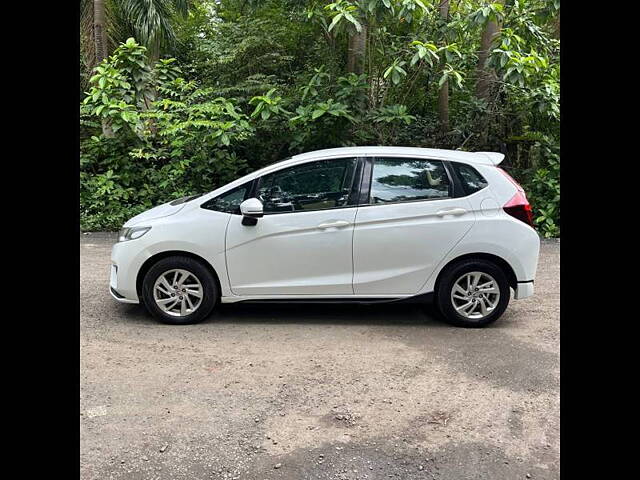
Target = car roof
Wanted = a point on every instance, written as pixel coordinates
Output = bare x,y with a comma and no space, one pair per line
486,158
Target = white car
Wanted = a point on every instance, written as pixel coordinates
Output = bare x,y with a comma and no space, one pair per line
364,224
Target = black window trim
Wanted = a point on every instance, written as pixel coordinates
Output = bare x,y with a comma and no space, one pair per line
456,183
351,199
365,194
365,183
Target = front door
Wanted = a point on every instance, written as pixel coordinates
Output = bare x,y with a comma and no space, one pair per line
303,243
407,225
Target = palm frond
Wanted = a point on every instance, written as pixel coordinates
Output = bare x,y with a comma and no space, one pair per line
151,23
182,6
119,28
148,21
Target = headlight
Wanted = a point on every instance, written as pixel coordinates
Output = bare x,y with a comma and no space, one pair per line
132,233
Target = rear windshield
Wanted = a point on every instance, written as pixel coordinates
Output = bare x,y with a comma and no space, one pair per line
472,181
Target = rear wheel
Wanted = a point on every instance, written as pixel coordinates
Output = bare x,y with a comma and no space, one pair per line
179,290
473,293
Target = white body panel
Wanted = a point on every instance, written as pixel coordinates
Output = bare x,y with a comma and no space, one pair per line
397,246
519,247
195,230
292,253
376,251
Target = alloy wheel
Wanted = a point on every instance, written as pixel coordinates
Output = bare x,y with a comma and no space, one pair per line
178,292
475,295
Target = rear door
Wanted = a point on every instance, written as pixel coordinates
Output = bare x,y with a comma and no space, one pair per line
409,219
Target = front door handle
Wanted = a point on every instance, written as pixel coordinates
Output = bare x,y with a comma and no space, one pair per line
451,211
336,224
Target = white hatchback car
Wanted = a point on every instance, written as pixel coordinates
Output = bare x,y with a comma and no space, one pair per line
365,224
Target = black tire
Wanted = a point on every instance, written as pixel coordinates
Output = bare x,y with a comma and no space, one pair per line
452,274
202,273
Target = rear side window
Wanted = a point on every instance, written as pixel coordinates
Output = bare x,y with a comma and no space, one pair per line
472,181
397,180
228,202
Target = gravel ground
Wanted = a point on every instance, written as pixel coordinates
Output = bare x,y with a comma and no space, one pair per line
317,392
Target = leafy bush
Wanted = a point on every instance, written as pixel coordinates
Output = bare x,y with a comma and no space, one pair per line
543,189
164,138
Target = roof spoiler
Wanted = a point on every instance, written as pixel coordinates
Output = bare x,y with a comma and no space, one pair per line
493,158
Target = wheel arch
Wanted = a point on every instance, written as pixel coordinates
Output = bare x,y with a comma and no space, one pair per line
149,262
498,261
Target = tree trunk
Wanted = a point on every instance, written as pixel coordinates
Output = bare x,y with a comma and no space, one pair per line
443,94
484,75
357,51
100,41
557,27
99,35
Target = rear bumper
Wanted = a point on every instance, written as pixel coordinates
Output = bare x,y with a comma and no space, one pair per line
524,290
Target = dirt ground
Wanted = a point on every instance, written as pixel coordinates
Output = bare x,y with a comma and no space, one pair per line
317,392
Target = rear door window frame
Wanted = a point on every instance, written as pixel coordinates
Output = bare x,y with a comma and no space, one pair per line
455,188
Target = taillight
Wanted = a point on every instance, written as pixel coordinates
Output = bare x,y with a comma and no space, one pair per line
518,207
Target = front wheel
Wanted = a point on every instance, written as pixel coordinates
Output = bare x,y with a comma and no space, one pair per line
473,293
179,290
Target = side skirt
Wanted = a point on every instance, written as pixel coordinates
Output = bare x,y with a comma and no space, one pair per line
416,299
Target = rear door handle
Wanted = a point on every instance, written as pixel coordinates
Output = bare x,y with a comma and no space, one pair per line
336,224
451,211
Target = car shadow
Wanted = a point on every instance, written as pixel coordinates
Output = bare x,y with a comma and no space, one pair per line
308,313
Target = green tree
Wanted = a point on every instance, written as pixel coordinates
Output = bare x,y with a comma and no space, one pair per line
443,94
105,23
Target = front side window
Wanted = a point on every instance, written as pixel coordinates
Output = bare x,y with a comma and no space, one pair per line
406,179
317,185
228,202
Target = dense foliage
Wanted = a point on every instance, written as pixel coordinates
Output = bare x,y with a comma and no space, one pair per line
250,82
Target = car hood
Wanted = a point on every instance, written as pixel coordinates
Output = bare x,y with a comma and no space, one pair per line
160,211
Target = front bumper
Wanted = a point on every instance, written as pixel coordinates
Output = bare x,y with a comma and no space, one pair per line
524,290
125,263
119,297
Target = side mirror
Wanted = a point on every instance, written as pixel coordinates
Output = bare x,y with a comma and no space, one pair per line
251,210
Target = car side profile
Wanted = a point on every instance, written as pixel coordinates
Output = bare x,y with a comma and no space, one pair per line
364,224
